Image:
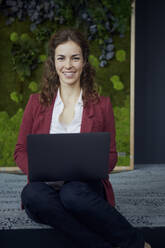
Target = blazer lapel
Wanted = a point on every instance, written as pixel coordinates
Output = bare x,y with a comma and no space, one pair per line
87,118
46,117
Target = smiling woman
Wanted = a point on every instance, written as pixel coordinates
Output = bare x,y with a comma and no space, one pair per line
69,103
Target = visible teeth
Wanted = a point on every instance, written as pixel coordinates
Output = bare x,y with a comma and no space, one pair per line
68,72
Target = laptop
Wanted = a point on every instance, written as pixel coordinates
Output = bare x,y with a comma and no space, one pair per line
71,156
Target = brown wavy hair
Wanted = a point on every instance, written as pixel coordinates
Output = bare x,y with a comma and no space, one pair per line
50,80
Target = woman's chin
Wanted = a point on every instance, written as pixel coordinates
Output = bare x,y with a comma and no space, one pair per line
69,82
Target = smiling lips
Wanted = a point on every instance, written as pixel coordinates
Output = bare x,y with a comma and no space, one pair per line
69,74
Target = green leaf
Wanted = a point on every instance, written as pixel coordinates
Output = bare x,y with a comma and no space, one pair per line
114,78
33,86
9,128
14,37
118,85
94,61
25,37
42,58
121,55
14,96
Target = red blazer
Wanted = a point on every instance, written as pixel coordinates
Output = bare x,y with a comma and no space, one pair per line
96,118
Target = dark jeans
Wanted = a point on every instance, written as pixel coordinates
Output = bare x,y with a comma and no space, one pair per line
80,211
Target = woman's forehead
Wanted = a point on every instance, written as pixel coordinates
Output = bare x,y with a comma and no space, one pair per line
68,47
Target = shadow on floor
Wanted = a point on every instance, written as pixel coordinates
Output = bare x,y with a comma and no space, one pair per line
50,238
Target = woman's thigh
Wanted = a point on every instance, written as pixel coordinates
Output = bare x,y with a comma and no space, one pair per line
38,197
79,195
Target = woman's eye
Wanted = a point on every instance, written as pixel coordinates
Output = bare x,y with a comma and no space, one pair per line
76,58
60,58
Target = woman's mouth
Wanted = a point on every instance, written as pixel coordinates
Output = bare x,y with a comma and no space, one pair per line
69,74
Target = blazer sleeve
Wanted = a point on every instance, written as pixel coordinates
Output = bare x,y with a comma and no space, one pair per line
20,153
110,127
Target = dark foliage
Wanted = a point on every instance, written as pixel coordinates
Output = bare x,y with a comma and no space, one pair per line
101,18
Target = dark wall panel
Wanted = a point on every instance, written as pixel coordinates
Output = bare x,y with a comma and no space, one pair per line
150,82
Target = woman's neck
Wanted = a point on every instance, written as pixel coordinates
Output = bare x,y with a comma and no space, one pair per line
69,95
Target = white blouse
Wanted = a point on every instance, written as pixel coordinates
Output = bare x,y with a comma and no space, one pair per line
75,126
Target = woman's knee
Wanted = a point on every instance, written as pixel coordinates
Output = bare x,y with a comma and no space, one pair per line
73,194
31,192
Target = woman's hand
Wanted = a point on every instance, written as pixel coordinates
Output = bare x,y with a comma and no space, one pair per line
146,245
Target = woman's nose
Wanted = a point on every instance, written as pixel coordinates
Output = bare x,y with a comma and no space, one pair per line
68,64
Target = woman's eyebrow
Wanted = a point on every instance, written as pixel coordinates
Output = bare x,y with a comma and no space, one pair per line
78,54
60,55
73,55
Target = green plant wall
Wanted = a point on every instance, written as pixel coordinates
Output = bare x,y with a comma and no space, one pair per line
17,83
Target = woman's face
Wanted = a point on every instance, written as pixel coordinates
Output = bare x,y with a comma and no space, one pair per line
69,63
